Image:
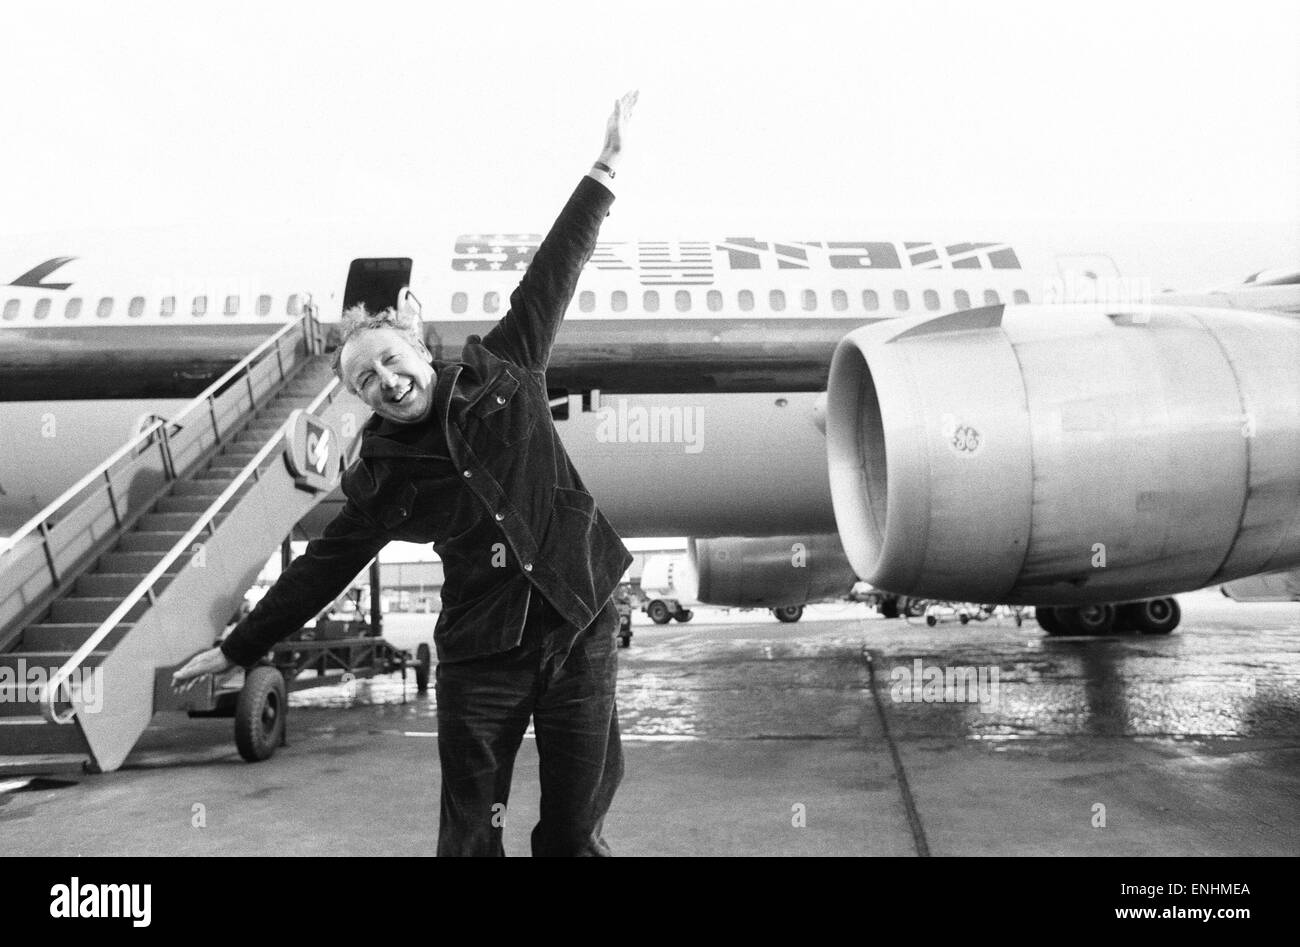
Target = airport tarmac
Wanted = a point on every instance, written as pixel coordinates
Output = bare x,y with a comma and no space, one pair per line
745,736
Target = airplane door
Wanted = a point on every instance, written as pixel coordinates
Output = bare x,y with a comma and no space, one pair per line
376,281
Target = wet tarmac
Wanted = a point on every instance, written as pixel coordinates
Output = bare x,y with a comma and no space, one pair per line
843,734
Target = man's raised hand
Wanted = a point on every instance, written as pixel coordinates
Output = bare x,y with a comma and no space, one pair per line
616,127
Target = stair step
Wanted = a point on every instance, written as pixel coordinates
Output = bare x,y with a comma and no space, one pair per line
189,505
141,563
197,488
176,522
43,764
167,522
141,541
31,735
46,637
225,475
252,440
228,463
119,584
79,608
50,660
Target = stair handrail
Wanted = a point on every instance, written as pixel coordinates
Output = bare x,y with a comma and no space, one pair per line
50,689
307,321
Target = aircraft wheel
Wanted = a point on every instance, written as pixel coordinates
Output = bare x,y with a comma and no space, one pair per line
931,620
1089,619
915,607
1157,616
888,607
659,613
1049,620
259,717
788,613
964,618
423,664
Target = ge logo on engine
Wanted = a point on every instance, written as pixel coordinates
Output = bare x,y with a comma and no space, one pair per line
965,439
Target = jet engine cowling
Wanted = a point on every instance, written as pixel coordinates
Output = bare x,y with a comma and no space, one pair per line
768,571
1066,455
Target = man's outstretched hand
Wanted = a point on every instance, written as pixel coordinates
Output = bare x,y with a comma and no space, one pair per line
616,128
212,661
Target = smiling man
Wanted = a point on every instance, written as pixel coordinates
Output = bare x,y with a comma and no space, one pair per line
384,361
464,455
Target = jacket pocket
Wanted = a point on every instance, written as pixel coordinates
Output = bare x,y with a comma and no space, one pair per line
575,502
398,510
502,410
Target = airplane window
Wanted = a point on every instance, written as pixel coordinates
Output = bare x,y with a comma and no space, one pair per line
961,299
42,308
200,307
167,307
931,299
11,309
263,305
1020,297
73,308
618,300
459,302
776,299
651,300
232,305
491,302
839,300
587,301
991,297
683,300
105,307
136,309
714,300
870,300
293,305
746,300
901,302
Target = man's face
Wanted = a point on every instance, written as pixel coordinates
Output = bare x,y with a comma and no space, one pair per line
394,378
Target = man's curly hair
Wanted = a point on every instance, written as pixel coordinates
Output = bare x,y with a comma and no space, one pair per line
358,319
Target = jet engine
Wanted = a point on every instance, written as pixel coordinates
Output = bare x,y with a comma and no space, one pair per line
1066,455
768,571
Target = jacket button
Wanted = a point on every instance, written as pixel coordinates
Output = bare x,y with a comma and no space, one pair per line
501,399
528,567
469,473
500,516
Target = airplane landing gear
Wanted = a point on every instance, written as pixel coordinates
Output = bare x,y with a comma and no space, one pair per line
1157,616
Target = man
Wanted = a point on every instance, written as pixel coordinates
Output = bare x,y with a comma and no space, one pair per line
465,455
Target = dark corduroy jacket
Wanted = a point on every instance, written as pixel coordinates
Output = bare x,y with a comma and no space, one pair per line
484,478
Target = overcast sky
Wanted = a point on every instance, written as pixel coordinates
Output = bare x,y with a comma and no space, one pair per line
754,116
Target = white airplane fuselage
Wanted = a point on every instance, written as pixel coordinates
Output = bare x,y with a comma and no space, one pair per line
710,356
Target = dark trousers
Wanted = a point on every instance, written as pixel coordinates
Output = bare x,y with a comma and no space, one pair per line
483,709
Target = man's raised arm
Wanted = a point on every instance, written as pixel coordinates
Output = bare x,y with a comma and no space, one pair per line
526,333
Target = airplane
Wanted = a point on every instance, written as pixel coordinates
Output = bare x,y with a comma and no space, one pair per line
943,418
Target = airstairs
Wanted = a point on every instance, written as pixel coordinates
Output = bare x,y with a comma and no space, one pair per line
143,562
